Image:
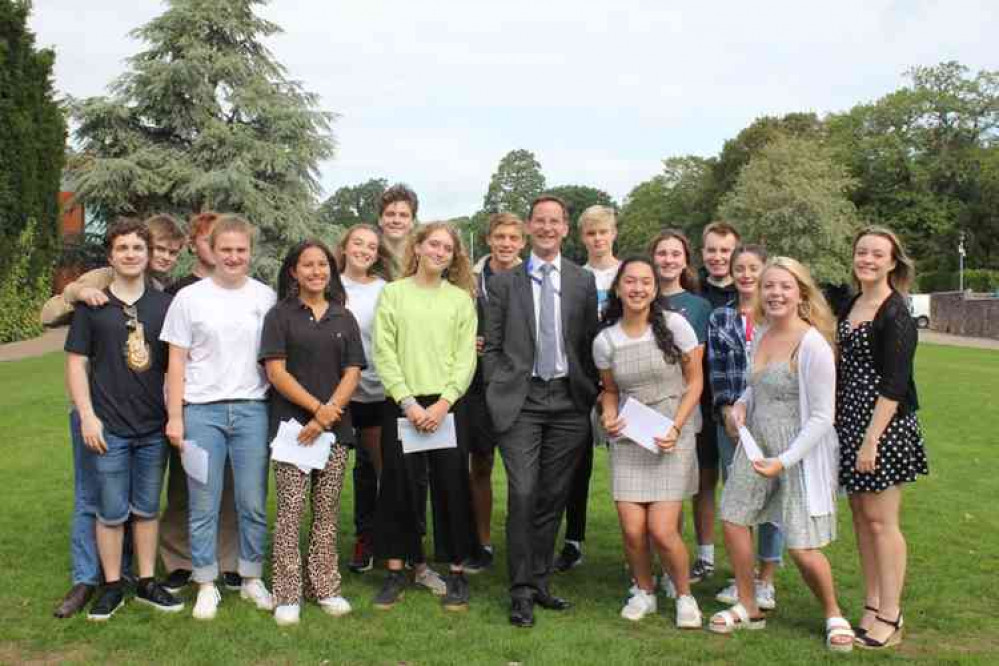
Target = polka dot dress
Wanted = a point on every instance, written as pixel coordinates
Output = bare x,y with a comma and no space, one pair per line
900,451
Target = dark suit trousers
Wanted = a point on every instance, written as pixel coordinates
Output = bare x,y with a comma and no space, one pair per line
541,450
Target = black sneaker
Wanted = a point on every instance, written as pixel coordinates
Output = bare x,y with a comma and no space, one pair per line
177,580
232,581
109,600
392,592
151,593
480,561
456,597
701,570
363,558
570,557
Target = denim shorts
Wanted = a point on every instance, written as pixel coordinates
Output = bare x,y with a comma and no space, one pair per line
130,477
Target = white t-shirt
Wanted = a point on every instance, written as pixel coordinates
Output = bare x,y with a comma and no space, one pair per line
220,328
604,278
614,337
361,301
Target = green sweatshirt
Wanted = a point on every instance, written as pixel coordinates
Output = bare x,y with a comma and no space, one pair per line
424,340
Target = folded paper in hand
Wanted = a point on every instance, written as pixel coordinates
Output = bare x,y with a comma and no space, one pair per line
749,444
307,457
194,460
414,441
642,424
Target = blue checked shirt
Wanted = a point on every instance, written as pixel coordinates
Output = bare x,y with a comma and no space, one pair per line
728,362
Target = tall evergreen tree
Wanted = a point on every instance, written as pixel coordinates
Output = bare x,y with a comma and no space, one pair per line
32,144
206,118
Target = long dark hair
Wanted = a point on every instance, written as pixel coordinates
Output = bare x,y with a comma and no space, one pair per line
614,310
288,285
688,277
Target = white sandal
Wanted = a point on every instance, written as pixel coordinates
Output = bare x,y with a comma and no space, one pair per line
835,627
733,619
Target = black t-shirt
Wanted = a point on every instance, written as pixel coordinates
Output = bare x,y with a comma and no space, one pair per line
185,281
126,368
316,355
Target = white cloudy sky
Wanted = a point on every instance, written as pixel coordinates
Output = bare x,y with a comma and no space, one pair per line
435,93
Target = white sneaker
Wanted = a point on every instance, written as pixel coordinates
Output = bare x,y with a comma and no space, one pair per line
335,606
207,604
253,589
766,596
431,580
287,614
667,586
639,605
688,615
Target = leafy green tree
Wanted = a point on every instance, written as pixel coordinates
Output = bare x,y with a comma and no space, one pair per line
206,118
516,182
578,198
32,145
792,197
352,204
680,197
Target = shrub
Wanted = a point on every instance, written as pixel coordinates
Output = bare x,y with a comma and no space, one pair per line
976,279
21,293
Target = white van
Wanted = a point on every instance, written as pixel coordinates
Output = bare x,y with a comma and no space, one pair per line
919,308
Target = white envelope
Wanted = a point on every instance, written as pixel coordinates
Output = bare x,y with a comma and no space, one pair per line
414,441
753,451
307,457
642,424
194,460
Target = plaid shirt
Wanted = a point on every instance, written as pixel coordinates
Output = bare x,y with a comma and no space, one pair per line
728,363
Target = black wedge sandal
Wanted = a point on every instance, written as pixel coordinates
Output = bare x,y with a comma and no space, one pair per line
867,643
860,631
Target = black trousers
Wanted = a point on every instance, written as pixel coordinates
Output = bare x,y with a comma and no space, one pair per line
579,497
541,451
400,514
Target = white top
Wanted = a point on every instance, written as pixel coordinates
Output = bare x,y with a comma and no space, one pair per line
220,328
361,301
614,337
534,272
604,278
816,446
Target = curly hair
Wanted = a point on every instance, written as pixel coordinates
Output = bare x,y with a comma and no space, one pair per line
383,262
813,307
398,192
288,285
614,310
459,273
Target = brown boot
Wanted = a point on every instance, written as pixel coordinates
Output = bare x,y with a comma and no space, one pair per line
75,600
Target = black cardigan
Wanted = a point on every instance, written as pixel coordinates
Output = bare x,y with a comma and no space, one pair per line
894,338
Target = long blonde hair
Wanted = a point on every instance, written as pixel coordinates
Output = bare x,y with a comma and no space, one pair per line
383,261
459,273
903,275
813,307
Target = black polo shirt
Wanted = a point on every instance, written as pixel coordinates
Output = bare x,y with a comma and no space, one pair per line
127,397
316,354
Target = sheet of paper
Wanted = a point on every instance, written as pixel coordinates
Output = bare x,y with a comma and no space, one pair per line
307,457
642,424
414,441
752,449
194,460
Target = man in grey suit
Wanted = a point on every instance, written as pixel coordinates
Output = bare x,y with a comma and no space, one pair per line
541,383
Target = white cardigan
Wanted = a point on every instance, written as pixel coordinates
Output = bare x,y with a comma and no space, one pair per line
816,445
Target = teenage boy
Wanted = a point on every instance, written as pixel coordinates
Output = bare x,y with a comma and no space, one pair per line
718,241
505,238
167,242
115,367
540,387
175,543
598,228
396,217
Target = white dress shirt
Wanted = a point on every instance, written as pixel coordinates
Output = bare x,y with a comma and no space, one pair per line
534,272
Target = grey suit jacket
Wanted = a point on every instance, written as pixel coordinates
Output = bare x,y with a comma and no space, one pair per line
508,357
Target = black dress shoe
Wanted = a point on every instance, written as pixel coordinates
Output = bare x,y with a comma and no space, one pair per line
551,602
522,612
75,600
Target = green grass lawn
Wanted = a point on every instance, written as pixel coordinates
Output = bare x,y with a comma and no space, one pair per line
950,603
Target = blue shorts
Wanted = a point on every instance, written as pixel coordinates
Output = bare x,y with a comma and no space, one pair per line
130,477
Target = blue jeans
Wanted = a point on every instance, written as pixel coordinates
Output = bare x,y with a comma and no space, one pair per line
83,539
130,477
770,540
237,430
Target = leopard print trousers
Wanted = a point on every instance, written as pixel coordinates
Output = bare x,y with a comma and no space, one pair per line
322,572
